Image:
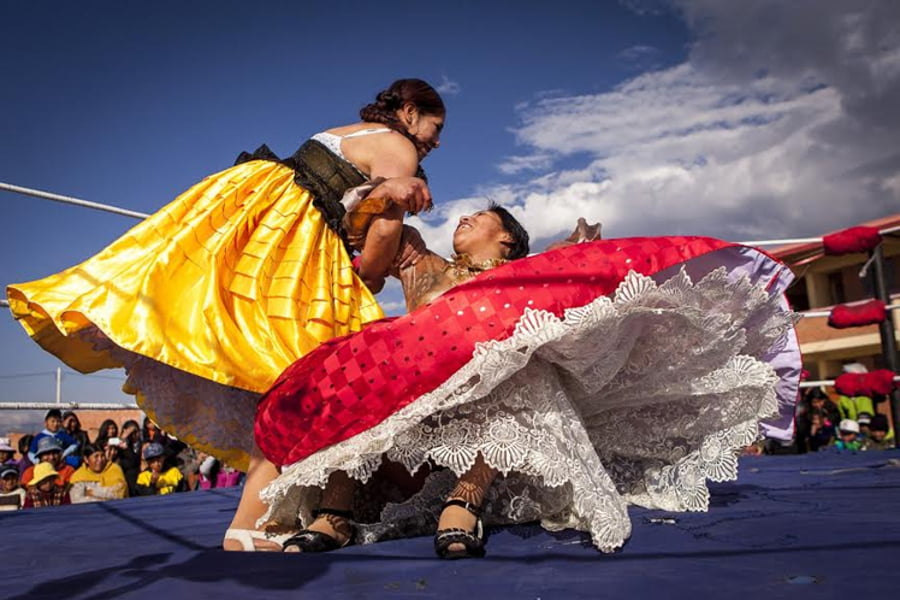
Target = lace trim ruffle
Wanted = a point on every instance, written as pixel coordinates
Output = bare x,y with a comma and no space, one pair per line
637,398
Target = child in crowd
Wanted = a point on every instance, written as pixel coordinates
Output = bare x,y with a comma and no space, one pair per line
98,479
863,419
24,462
848,435
157,479
12,496
880,437
821,431
48,451
7,452
43,489
53,429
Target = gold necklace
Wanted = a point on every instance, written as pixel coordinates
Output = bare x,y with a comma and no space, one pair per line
463,265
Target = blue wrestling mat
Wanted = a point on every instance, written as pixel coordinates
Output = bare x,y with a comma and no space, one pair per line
813,526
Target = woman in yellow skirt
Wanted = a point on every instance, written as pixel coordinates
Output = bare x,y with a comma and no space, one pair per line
208,300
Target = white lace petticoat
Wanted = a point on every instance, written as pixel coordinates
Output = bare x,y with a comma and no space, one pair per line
638,398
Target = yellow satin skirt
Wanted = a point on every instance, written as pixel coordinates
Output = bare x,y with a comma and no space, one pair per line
230,283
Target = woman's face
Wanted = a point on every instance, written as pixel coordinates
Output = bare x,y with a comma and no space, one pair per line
424,127
481,234
111,452
129,431
112,430
46,484
97,461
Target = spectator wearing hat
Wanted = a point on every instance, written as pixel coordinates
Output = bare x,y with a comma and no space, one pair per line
880,436
53,428
43,489
97,479
7,453
12,496
157,479
848,435
863,419
49,451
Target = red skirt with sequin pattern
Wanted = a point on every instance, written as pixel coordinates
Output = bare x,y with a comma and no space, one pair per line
351,384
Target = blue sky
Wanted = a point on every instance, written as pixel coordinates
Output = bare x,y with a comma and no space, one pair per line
652,117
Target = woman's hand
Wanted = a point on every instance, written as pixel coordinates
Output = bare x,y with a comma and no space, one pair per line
412,248
411,193
582,233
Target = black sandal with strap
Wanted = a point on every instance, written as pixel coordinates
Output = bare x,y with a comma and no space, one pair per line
473,541
316,541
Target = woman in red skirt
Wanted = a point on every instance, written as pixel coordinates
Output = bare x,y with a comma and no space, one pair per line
559,387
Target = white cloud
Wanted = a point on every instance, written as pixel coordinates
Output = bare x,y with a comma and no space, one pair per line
533,162
781,122
638,52
448,87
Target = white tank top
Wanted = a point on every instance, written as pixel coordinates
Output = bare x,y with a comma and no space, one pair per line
333,141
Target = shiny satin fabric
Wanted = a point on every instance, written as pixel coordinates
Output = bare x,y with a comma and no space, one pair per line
233,281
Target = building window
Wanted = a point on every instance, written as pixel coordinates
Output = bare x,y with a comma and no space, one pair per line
836,287
797,295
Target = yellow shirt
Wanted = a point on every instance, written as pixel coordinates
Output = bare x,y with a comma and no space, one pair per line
109,484
167,482
106,485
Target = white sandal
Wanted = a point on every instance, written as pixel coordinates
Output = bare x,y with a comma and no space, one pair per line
246,537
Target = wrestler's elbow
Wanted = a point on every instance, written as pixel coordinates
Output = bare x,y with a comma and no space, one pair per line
375,283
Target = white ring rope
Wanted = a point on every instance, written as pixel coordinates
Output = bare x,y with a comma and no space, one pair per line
71,200
67,405
827,313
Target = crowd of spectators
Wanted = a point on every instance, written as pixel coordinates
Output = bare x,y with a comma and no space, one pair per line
850,424
61,465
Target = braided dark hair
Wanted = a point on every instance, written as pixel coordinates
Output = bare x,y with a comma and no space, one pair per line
414,91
